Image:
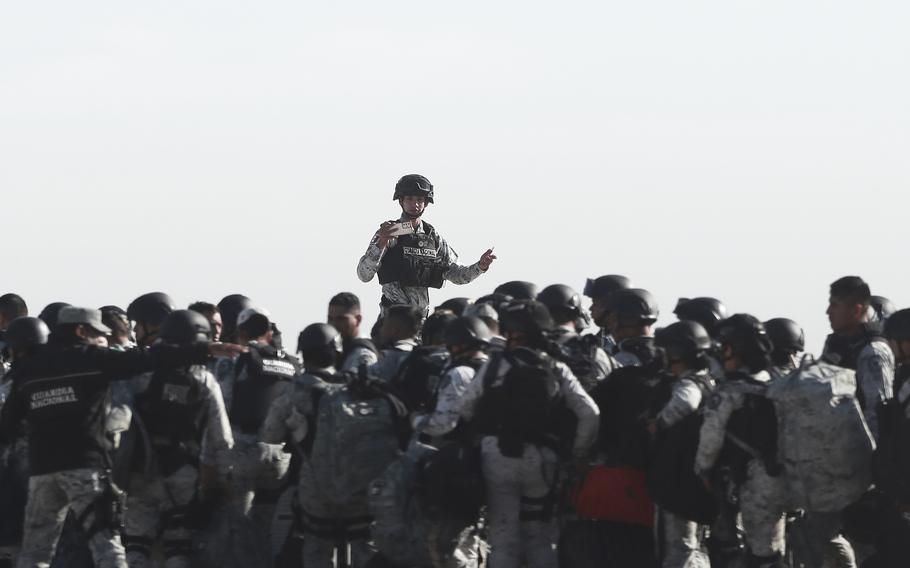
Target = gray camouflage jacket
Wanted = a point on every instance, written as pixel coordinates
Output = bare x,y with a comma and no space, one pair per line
417,296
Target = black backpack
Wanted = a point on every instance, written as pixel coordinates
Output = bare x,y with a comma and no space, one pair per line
891,460
627,399
671,476
751,434
450,482
417,380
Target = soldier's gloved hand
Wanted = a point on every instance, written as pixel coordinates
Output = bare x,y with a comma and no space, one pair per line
486,259
226,349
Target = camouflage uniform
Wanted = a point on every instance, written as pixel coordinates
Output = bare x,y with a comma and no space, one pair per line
874,379
51,496
447,412
417,296
762,497
681,538
158,504
359,356
391,359
520,489
288,418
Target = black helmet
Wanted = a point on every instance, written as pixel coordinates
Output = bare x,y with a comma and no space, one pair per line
496,299
230,307
318,336
518,289
743,332
707,311
633,306
151,308
606,285
455,305
882,306
433,331
50,313
467,330
897,327
413,184
683,338
786,335
527,316
561,299
185,327
24,332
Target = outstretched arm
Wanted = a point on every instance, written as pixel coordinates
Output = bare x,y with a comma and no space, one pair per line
457,274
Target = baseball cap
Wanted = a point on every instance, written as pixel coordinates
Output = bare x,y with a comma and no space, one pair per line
83,316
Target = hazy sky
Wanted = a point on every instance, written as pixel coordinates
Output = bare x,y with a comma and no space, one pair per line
754,151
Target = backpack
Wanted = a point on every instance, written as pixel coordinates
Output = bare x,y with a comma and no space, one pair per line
418,377
406,531
671,478
450,482
579,353
751,434
355,435
824,443
629,397
891,461
526,405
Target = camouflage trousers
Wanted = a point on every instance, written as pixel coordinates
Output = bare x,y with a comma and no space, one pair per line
762,502
157,505
680,542
258,478
518,492
50,497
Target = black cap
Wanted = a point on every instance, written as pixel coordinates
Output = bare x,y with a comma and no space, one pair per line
230,307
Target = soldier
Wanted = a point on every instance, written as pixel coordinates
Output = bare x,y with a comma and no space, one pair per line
398,336
789,341
344,315
147,312
230,307
23,337
519,402
630,313
489,315
50,313
599,289
409,263
708,312
332,489
857,344
212,314
190,439
685,346
61,394
589,362
260,468
432,334
740,430
466,339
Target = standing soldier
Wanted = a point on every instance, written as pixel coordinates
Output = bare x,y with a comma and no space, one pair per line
344,315
62,394
189,445
409,254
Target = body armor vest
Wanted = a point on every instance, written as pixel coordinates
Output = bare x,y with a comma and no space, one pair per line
260,373
418,259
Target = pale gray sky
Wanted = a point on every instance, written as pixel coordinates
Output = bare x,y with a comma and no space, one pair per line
754,151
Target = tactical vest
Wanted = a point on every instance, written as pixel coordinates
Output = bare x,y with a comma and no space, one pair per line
350,345
260,374
844,351
173,410
418,259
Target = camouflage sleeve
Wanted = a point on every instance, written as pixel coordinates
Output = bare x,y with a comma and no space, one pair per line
473,392
369,262
458,274
287,415
685,400
218,441
444,417
721,404
603,365
357,357
584,408
875,377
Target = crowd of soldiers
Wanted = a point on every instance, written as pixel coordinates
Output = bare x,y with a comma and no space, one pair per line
519,428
